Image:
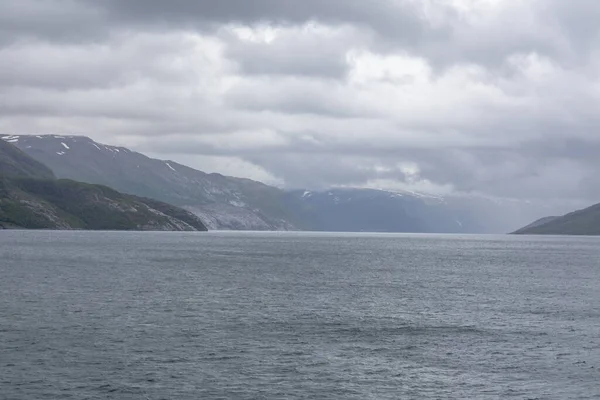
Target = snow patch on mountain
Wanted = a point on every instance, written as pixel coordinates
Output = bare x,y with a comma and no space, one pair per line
11,138
170,167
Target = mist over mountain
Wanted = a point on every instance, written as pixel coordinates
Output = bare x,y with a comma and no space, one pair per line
224,202
396,211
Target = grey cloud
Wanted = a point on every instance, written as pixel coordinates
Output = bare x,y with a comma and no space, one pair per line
555,28
576,20
266,60
398,16
294,96
57,20
563,30
300,51
136,72
300,170
94,21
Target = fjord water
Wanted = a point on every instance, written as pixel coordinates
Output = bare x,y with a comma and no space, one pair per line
287,315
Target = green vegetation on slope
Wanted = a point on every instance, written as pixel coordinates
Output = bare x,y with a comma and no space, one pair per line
35,202
64,204
223,202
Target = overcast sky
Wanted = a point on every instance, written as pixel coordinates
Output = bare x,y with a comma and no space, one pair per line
499,97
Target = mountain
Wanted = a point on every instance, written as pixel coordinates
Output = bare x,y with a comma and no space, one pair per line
13,162
539,222
31,198
374,210
224,202
221,202
581,222
378,210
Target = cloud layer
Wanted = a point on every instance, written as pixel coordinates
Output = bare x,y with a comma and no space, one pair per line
487,96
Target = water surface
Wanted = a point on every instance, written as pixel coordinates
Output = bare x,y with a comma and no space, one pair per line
107,315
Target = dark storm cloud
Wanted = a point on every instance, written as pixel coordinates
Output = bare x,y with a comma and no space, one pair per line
561,29
59,20
556,27
400,17
77,21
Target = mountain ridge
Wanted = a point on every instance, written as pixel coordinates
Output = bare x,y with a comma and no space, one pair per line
225,202
580,222
13,162
31,198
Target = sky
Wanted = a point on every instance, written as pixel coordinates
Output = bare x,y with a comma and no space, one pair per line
494,97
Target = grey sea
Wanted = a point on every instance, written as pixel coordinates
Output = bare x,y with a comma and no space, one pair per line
107,315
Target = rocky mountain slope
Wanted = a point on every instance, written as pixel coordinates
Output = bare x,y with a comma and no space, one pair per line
221,202
31,198
224,202
13,162
581,222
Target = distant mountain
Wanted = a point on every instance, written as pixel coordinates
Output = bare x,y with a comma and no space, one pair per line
224,202
31,198
581,222
373,210
538,223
